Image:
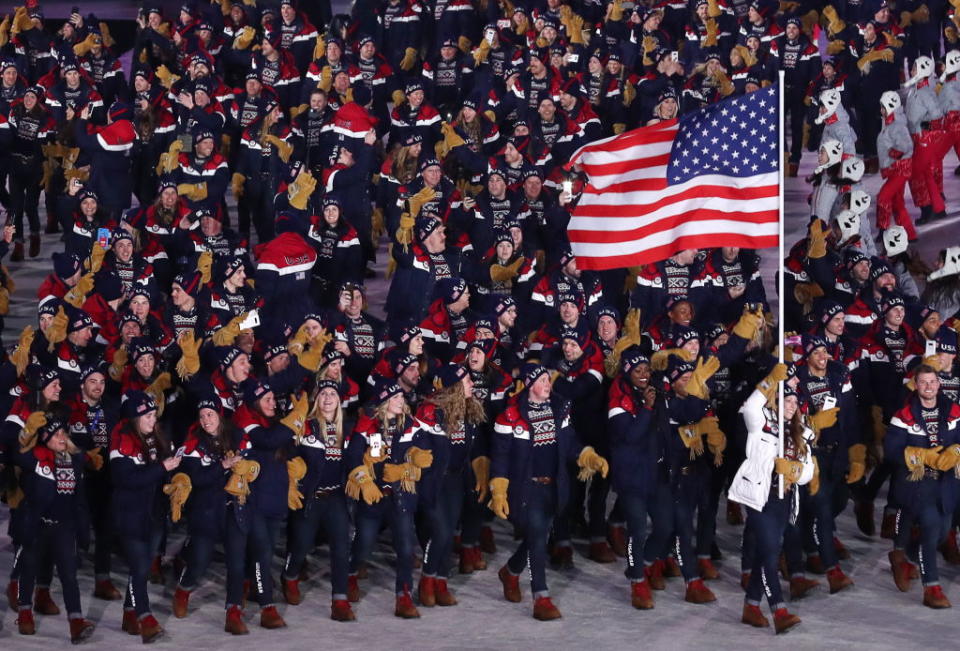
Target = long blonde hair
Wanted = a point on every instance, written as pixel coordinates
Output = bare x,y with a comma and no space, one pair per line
380,413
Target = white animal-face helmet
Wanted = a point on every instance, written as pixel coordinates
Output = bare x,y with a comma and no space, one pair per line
890,100
860,201
895,240
834,150
829,100
951,264
951,64
849,222
924,68
852,169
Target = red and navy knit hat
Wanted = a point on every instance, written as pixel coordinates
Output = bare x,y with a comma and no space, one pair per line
189,282
254,389
137,404
384,389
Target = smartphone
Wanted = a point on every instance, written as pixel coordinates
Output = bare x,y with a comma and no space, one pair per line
252,320
674,56
828,403
103,236
930,348
489,36
568,187
180,452
376,442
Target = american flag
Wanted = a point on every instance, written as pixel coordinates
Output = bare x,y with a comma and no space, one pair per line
709,179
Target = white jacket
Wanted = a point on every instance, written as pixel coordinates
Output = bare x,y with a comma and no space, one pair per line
751,485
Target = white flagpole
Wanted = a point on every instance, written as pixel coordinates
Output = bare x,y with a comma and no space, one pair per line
783,298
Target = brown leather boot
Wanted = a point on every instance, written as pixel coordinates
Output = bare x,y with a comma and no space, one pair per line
43,602
340,611
600,552
426,592
901,573
34,245
479,563
544,610
443,595
617,537
181,603
25,622
783,620
353,589
52,225
405,608
640,596
698,593
487,543
753,616
234,623
466,560
744,580
708,571
150,629
933,597
654,573
792,169
561,557
270,618
17,255
104,589
80,629
838,580
291,592
511,585
130,624
800,586
888,526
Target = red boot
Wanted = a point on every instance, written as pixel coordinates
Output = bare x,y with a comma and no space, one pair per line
291,592
426,594
744,580
815,564
561,556
951,554
900,569
783,621
838,547
671,569
600,552
353,589
150,629
270,618
698,593
888,526
511,585
340,611
443,595
181,602
838,580
104,589
130,625
933,597
734,514
43,602
654,573
234,623
80,629
466,560
800,586
478,562
544,610
708,571
156,571
405,608
25,622
640,596
753,616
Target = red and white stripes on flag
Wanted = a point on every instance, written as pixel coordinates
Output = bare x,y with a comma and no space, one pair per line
630,215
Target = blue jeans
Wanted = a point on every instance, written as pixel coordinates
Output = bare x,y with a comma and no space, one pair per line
934,526
138,553
396,510
58,543
540,512
442,517
660,508
250,549
818,522
330,511
767,529
198,552
634,510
